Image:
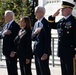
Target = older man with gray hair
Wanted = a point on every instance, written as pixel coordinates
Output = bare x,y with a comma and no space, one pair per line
9,32
42,46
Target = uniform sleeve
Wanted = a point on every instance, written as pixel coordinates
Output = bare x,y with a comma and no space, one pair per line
51,19
52,23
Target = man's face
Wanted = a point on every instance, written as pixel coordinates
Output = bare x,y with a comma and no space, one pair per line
7,17
38,14
66,11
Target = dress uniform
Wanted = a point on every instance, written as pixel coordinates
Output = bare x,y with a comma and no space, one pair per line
66,39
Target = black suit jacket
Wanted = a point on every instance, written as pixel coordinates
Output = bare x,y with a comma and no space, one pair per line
8,40
42,40
23,44
67,36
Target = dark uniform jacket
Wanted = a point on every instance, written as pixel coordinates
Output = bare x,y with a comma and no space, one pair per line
67,36
8,40
23,44
42,40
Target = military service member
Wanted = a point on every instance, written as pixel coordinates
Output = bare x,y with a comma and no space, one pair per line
67,36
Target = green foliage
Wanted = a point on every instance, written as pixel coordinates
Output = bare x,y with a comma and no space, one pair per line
19,7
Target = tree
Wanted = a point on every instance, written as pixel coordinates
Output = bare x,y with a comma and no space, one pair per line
33,3
19,7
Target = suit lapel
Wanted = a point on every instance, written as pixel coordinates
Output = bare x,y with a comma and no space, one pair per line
11,25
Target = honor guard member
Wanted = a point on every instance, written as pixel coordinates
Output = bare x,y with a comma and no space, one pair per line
66,27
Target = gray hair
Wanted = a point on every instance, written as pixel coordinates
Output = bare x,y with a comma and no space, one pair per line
10,13
40,8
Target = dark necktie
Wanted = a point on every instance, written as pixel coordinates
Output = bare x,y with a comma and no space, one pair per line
38,24
7,25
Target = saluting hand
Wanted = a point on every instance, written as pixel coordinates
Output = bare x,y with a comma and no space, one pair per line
56,13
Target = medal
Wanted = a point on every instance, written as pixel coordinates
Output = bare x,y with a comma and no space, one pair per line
67,32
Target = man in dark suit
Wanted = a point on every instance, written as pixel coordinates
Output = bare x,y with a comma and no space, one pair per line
67,36
9,32
41,37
